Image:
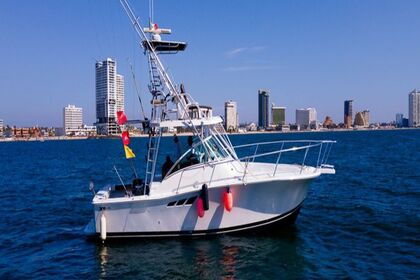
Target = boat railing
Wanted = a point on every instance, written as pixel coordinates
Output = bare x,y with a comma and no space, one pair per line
324,149
321,154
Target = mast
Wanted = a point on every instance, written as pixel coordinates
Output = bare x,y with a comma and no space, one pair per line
155,65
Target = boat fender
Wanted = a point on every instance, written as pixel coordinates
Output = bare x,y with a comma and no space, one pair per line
103,227
205,196
228,200
200,208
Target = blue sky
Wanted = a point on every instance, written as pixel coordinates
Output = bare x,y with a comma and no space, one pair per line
307,53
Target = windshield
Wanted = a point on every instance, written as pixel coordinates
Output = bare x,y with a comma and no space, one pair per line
201,153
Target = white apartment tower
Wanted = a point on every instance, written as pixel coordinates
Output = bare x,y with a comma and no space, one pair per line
306,118
109,89
120,92
414,108
72,119
231,116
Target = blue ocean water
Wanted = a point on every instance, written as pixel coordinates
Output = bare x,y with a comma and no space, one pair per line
363,222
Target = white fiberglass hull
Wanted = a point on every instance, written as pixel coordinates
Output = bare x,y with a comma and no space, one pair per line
255,205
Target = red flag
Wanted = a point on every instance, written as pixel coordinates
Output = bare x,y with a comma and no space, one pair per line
125,138
122,118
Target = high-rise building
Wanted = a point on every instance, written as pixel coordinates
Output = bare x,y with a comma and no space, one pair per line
231,116
362,118
366,116
399,119
306,118
120,92
109,96
348,113
1,127
263,108
72,119
414,108
278,115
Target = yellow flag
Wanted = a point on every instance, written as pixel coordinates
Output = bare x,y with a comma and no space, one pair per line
128,152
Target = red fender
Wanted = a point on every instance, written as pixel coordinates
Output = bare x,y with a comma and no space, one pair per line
228,200
200,207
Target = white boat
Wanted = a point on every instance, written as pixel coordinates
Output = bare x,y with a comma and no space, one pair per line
213,187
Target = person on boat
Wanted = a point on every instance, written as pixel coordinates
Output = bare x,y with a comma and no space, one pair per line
166,166
190,142
191,158
178,146
179,151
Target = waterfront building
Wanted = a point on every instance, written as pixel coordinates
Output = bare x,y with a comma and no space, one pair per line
366,116
414,108
24,132
83,131
348,113
306,118
263,108
399,119
231,116
405,122
362,119
1,127
120,93
328,123
109,89
72,119
278,115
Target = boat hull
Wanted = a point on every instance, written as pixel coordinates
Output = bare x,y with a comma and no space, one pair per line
256,206
267,226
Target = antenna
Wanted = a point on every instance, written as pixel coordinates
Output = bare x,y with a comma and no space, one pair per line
150,13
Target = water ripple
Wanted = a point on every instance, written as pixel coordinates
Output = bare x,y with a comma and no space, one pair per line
361,223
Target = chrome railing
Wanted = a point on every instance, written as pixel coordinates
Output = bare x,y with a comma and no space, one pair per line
321,155
324,149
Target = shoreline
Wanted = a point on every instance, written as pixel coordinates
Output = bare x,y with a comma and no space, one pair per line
65,138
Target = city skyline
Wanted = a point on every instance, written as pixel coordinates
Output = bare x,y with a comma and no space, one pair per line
331,52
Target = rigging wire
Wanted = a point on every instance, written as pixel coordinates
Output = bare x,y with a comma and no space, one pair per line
133,75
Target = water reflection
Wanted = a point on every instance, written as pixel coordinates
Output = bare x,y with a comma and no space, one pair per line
103,259
221,257
228,261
